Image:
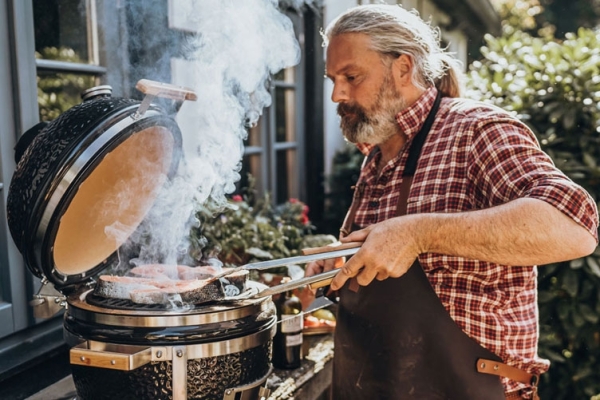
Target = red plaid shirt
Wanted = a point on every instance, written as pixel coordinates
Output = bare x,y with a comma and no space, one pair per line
476,156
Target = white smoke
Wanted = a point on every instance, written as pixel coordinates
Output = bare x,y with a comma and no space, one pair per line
240,43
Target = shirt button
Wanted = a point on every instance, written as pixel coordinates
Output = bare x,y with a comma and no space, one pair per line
373,203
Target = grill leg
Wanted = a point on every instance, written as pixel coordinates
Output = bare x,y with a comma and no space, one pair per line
179,373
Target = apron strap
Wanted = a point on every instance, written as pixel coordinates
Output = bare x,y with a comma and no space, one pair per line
492,367
413,158
419,139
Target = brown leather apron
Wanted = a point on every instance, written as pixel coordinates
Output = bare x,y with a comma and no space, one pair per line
394,338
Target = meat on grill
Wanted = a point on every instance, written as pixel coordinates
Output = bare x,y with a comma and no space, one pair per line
234,284
160,283
191,291
176,272
158,291
119,287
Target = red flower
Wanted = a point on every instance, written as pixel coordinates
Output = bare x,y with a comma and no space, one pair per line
304,219
237,197
293,200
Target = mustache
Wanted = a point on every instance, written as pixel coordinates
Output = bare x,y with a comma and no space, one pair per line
344,109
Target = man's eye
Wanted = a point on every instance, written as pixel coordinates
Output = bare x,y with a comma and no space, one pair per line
351,78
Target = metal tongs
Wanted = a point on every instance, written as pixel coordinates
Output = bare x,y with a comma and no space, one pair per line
334,250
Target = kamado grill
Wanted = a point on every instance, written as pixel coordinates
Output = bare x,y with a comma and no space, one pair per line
98,167
134,351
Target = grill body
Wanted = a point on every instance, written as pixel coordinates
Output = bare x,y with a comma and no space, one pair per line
208,352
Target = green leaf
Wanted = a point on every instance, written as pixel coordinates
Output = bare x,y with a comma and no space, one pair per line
563,309
583,373
589,160
578,319
570,282
593,264
259,253
577,263
554,356
545,296
588,313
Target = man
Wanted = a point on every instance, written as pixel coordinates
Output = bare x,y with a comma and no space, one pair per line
455,204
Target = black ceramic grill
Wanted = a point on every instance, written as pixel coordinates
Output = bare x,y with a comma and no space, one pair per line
67,189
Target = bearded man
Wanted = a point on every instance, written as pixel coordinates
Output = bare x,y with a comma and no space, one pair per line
455,205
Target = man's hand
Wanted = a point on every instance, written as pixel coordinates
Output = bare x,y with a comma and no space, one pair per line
390,248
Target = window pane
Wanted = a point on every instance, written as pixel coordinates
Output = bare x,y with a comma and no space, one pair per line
60,91
287,176
251,164
61,30
254,135
285,115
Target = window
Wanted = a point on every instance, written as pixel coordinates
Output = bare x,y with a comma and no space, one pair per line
274,151
65,48
66,52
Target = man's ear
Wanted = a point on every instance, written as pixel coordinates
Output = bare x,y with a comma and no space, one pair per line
402,69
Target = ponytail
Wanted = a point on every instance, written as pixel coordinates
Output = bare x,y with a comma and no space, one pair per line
450,83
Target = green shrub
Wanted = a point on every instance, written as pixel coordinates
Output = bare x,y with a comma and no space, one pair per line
57,92
344,175
250,230
554,87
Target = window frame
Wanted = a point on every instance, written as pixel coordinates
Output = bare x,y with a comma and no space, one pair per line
269,147
19,111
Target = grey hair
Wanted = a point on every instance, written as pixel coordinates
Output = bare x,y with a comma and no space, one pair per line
395,31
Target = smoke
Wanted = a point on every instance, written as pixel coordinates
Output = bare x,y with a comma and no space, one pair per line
228,64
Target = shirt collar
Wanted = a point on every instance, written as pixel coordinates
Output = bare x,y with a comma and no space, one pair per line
411,119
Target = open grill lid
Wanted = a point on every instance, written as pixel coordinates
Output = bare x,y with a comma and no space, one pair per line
87,180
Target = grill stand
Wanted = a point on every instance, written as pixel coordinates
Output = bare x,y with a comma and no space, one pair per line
180,373
129,357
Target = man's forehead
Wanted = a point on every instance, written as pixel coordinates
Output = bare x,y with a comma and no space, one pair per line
349,50
350,40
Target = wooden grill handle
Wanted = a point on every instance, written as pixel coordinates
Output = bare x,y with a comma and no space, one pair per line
331,247
320,284
166,90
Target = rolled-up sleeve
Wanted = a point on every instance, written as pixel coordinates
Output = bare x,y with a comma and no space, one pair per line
506,163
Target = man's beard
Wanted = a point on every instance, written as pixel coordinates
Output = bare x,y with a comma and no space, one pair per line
376,125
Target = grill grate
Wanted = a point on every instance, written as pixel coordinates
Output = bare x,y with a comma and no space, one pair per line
126,304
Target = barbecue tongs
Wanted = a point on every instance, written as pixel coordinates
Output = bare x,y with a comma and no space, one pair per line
310,254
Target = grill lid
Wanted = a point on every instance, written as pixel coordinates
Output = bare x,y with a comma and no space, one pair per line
86,181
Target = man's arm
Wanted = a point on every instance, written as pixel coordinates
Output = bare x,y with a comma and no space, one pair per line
524,231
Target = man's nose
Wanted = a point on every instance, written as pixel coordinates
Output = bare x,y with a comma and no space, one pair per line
339,93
